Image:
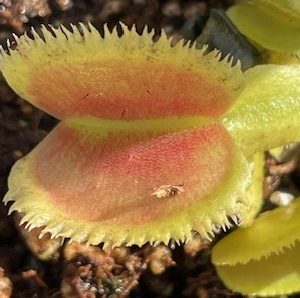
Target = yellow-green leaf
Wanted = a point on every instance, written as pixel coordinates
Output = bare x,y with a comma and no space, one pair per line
266,115
270,232
276,275
274,25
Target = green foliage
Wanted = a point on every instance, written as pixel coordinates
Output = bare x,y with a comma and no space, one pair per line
263,259
274,25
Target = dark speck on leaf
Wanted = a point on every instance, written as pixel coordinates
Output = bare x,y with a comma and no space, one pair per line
123,113
85,96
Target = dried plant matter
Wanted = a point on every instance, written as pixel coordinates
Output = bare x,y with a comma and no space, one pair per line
17,12
5,285
195,245
43,248
159,259
90,272
167,191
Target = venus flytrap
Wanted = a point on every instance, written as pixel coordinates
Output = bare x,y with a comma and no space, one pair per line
265,259
273,26
137,116
132,122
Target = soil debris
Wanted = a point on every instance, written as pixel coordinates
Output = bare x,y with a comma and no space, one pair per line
195,246
168,191
90,272
159,259
5,285
43,248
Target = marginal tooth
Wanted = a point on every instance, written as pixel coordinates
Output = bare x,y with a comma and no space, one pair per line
190,44
52,236
45,33
53,30
224,227
107,245
133,28
106,31
231,61
114,31
24,219
8,44
7,199
204,48
85,29
156,243
12,209
211,235
42,233
31,227
115,245
73,28
163,35
145,30
16,38
239,216
66,31
27,39
216,229
204,235
129,243
227,59
76,34
229,225
177,241
77,28
92,29
219,56
27,225
235,219
2,52
181,44
123,28
36,36
151,31
238,64
86,26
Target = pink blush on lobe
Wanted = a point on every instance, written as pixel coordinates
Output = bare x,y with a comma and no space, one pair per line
113,177
126,90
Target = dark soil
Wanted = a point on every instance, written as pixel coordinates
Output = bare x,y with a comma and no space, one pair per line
73,270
